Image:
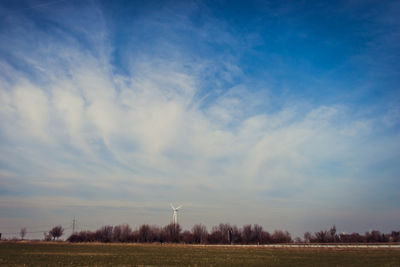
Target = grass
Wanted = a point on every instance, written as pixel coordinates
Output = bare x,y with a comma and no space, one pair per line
65,254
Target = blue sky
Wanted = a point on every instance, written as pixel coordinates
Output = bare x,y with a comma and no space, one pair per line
285,114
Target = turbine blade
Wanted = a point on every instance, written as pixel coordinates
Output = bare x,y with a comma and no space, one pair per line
172,206
179,207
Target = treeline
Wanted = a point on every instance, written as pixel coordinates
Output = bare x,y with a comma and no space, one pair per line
172,233
222,234
330,236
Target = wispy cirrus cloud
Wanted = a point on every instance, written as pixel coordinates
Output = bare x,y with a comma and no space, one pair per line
79,127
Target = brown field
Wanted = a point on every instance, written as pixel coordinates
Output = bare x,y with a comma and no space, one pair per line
67,254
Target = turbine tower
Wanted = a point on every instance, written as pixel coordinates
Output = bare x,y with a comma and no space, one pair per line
175,215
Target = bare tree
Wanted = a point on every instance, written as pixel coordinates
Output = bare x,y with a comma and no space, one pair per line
281,237
374,236
22,232
116,235
321,236
257,234
247,234
104,234
236,235
199,233
187,237
145,234
395,236
220,233
266,237
126,232
351,238
224,229
172,232
56,232
121,233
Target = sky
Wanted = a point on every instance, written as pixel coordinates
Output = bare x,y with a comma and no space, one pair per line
280,113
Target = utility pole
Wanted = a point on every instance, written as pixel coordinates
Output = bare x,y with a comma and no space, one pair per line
73,225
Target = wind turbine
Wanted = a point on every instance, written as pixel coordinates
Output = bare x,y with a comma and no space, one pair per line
175,215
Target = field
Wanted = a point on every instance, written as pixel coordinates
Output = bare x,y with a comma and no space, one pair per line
65,254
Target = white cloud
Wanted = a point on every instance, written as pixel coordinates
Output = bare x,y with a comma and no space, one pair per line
151,122
32,108
75,120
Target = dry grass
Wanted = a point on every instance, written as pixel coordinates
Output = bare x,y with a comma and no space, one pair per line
99,254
